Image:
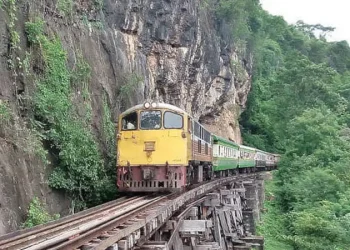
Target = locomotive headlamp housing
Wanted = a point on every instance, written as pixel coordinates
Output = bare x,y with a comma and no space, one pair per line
154,105
147,105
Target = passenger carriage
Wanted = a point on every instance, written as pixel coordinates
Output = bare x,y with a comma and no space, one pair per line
260,159
225,155
247,157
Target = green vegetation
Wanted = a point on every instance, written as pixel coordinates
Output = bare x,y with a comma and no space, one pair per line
299,107
5,112
37,214
11,10
80,80
10,7
109,142
132,82
28,140
65,7
80,166
35,30
272,226
109,131
98,4
129,87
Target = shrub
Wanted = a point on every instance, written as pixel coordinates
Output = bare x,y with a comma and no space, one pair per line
37,214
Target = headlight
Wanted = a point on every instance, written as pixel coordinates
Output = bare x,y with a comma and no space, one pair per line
147,105
154,105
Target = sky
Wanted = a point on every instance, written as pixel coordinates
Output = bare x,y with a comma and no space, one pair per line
334,13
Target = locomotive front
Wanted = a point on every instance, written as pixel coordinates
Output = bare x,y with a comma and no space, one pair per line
153,144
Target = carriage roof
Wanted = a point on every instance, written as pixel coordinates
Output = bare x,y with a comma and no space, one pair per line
247,148
223,140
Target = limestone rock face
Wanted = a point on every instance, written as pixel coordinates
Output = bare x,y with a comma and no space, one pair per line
181,51
174,51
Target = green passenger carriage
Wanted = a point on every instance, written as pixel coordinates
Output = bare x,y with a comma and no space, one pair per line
247,157
225,154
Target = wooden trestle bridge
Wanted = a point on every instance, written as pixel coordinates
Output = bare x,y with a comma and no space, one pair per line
217,215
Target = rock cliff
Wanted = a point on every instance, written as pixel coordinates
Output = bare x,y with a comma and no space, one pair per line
172,51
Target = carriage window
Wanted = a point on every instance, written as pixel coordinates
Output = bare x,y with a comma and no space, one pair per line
172,120
129,122
151,119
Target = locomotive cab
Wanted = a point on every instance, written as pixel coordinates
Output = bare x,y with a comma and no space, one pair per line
152,152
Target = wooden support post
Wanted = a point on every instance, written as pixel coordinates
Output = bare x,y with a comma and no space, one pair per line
178,243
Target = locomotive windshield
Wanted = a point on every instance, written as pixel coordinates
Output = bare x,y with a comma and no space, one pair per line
172,120
129,122
151,119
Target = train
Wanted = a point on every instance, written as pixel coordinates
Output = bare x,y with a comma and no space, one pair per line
161,148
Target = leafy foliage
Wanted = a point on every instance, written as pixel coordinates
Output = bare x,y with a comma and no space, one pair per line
65,7
35,30
80,165
128,88
98,4
299,107
37,214
5,112
272,225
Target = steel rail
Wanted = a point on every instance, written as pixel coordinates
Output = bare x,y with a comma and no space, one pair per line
26,237
73,234
24,232
108,227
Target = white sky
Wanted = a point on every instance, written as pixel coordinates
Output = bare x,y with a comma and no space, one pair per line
334,13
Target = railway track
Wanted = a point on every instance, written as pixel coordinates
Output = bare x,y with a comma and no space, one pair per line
129,219
56,235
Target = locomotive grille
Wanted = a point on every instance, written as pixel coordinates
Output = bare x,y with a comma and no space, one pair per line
150,145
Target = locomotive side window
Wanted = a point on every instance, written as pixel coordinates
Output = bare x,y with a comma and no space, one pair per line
197,130
129,122
172,120
151,119
206,136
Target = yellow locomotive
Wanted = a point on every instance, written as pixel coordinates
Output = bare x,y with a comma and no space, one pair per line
161,148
